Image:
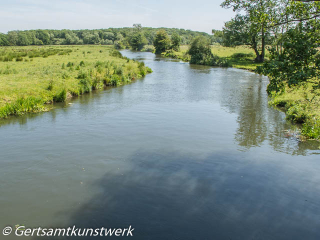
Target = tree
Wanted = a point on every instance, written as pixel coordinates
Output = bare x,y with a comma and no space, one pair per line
12,37
23,39
200,51
217,36
161,41
176,41
298,63
137,41
109,36
137,27
3,40
241,31
258,16
43,36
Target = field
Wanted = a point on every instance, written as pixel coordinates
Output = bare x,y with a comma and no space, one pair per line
33,77
239,57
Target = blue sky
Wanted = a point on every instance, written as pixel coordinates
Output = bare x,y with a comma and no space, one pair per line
201,15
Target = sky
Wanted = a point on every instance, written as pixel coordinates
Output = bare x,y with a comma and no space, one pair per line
201,15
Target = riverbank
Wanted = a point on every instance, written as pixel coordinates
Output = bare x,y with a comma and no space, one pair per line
34,77
300,103
238,57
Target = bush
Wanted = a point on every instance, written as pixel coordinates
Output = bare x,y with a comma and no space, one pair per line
116,53
115,79
70,64
296,113
200,52
311,129
85,85
21,106
61,96
50,87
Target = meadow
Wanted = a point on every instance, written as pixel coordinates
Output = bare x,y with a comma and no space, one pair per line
34,77
241,57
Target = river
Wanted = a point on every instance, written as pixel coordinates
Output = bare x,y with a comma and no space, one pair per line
188,152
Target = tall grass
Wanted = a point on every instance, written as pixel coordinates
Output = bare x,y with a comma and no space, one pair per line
57,72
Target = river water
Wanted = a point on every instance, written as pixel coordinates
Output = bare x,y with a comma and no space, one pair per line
188,152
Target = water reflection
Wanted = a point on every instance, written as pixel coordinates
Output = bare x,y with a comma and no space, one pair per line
176,196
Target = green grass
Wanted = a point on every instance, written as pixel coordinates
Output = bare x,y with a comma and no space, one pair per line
241,57
302,105
32,77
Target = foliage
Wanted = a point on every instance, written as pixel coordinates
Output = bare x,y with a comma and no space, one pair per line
252,27
161,41
200,52
298,63
137,41
24,85
175,41
119,37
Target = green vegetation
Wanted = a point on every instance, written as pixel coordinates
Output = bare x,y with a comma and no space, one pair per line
161,42
34,77
241,57
200,53
135,37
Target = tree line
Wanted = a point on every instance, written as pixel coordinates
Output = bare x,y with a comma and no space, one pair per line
135,37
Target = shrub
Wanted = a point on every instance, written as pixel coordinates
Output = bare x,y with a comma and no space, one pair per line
115,79
61,96
21,106
311,128
70,64
296,114
116,53
50,86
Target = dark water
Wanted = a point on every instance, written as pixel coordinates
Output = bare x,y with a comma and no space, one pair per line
188,152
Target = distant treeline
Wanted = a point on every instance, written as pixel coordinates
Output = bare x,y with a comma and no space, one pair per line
121,37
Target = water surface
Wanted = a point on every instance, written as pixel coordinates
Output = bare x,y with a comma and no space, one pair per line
188,152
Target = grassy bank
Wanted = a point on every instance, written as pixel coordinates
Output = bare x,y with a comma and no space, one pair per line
238,57
301,105
31,78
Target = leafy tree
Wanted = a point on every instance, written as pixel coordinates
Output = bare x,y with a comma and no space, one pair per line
137,41
258,16
176,41
241,31
43,36
3,40
161,41
217,36
137,27
200,51
13,38
108,36
298,63
23,39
